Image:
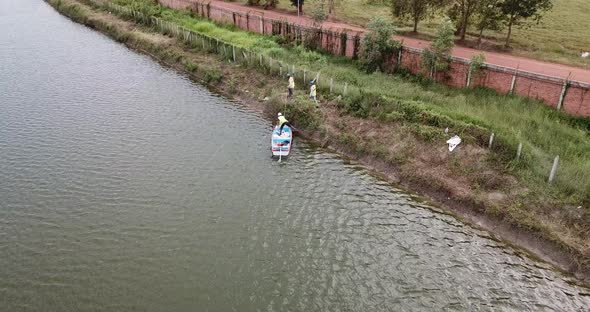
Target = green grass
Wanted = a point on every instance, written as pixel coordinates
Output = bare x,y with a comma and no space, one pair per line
560,37
543,131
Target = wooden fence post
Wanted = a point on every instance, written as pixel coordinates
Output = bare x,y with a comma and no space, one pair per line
345,87
518,151
554,169
491,140
304,76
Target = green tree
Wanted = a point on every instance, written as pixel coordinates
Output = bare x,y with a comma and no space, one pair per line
414,10
518,11
379,45
461,12
489,16
437,57
270,4
298,4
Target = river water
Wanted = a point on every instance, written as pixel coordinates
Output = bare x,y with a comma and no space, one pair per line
126,187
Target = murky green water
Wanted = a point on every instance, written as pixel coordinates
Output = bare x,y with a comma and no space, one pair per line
125,187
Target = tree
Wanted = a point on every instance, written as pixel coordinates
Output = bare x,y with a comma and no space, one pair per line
437,57
461,12
270,4
378,45
298,4
416,10
489,16
518,11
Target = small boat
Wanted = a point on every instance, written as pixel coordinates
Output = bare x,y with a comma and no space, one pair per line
281,144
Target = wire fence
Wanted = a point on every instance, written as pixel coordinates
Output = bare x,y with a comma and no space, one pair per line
274,67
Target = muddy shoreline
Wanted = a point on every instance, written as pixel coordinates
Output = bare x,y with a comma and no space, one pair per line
465,208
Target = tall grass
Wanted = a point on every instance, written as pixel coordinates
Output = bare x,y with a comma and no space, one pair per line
544,132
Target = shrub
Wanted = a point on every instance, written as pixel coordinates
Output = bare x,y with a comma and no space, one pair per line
378,45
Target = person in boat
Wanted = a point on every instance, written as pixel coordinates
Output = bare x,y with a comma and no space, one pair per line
291,85
282,122
312,92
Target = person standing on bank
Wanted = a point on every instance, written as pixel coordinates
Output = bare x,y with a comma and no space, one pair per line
291,85
312,92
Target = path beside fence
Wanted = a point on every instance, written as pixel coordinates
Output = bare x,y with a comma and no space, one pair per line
561,87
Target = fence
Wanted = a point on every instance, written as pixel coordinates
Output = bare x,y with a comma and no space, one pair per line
247,57
562,94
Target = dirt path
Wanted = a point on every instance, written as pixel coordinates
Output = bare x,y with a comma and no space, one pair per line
498,59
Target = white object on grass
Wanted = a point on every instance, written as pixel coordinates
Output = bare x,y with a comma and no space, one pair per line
453,142
585,54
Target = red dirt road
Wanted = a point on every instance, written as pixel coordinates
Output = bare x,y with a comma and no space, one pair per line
493,58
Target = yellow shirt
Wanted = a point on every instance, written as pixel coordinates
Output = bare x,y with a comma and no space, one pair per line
282,120
312,90
291,83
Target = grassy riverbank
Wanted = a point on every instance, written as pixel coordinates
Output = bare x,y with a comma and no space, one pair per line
396,124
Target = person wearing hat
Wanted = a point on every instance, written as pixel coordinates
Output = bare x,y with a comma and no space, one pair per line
282,122
291,85
312,92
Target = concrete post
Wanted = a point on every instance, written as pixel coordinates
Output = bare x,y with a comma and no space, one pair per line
491,140
518,151
554,169
469,76
513,83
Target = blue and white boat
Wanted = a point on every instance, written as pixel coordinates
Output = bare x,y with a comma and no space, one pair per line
281,144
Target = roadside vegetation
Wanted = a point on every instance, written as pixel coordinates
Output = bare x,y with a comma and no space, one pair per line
421,110
560,35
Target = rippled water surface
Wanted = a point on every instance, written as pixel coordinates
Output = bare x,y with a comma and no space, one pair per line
125,187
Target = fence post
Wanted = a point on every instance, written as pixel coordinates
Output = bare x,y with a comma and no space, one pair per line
262,25
233,50
304,76
270,65
491,140
293,70
345,87
331,85
260,57
554,169
518,151
513,83
280,70
563,92
203,40
399,57
469,75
